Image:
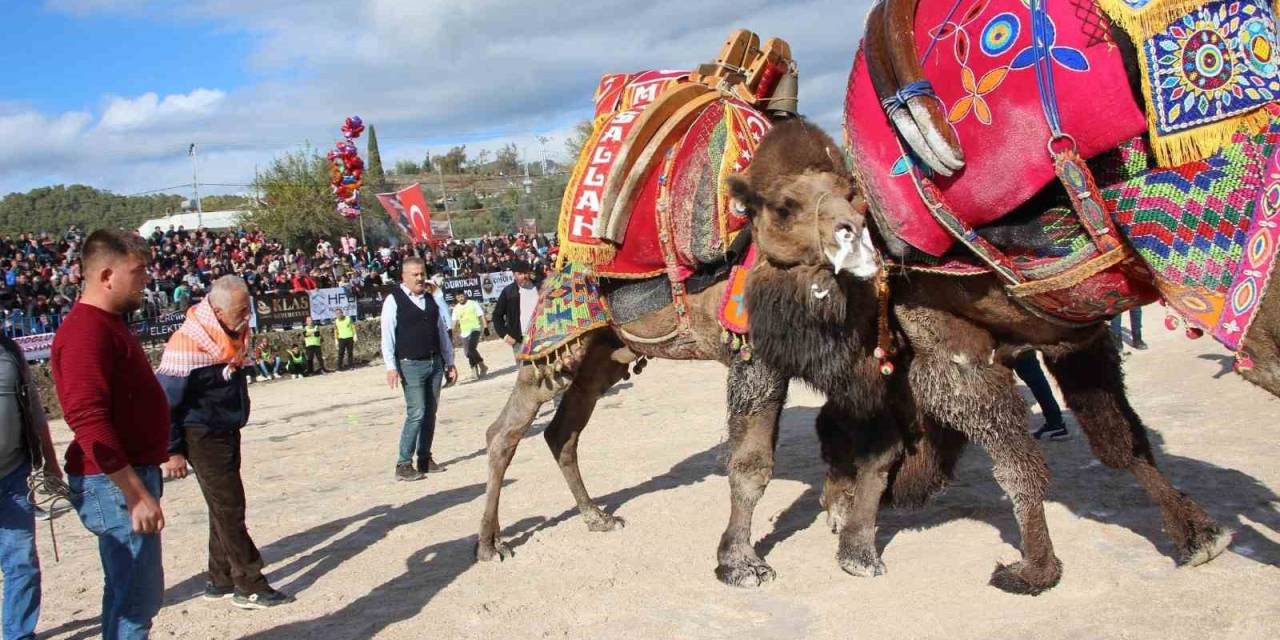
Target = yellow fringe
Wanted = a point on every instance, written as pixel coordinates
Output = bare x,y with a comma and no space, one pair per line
568,250
1176,149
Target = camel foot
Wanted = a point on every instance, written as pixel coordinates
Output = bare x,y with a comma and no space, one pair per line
861,562
600,521
1209,545
488,551
1023,579
747,573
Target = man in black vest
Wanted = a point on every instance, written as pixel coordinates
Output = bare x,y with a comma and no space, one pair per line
419,354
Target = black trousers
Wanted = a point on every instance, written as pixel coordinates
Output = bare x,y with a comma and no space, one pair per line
347,347
473,353
315,355
233,558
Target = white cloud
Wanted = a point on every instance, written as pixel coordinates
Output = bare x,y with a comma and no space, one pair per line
428,73
125,114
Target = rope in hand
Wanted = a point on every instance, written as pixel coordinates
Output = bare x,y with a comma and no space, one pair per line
44,492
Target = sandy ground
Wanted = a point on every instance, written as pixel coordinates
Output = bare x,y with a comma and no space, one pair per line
368,557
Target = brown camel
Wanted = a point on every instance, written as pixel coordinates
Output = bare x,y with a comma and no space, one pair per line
953,382
601,359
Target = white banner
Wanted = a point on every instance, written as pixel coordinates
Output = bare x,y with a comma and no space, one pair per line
36,347
492,284
325,301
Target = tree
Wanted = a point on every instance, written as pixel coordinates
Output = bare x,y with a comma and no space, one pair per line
405,168
299,208
578,139
374,178
453,161
54,208
426,164
507,161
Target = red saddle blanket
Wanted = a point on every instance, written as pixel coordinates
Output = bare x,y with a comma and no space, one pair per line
680,216
977,55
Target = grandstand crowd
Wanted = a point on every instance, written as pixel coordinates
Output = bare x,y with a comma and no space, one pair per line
41,271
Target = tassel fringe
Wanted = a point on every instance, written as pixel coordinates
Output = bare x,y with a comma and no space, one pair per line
1176,149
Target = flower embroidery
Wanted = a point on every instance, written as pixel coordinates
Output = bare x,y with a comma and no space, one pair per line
976,89
1042,27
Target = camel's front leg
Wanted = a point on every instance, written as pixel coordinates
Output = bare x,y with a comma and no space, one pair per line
756,396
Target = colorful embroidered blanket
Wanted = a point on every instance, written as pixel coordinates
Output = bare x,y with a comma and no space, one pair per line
1206,68
682,194
201,342
978,56
569,305
1209,230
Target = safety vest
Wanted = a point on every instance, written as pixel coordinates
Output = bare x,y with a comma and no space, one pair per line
346,328
311,336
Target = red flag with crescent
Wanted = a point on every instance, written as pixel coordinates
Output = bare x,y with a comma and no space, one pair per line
408,210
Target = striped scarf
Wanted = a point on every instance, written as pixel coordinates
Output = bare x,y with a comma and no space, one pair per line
202,342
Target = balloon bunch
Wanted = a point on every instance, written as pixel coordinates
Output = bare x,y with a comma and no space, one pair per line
346,169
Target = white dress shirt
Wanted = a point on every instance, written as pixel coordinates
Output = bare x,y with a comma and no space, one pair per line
389,330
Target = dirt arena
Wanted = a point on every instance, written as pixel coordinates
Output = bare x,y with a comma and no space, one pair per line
371,558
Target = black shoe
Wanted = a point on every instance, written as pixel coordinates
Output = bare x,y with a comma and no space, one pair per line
1056,431
429,467
214,592
406,473
264,599
1139,344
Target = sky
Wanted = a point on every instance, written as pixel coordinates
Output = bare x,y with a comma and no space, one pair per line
111,93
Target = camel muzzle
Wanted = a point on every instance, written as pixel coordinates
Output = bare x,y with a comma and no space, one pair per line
856,253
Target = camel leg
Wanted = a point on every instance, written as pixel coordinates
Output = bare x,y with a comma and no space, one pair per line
756,396
502,438
860,455
956,383
1092,384
596,375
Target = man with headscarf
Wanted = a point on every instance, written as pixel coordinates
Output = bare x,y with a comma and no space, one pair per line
203,371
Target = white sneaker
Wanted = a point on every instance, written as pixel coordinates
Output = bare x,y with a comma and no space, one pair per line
252,380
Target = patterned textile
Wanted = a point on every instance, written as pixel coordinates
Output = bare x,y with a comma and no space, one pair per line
1206,69
979,59
201,342
569,305
1192,224
620,100
719,140
1257,265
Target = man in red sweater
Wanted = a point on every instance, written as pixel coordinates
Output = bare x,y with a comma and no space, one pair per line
120,418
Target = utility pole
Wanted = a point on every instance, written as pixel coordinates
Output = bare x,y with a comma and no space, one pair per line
195,186
542,144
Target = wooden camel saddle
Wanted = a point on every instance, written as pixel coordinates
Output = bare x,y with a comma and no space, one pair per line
647,197
1136,113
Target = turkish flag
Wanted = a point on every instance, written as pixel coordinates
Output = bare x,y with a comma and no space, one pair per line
408,209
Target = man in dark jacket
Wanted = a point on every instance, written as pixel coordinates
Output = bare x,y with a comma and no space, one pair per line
203,374
513,312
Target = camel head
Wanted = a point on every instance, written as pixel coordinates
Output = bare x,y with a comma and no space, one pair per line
803,204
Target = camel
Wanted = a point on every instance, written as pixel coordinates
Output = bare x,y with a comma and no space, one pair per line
814,316
602,358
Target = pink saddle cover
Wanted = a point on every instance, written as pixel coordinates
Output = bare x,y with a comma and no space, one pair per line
981,69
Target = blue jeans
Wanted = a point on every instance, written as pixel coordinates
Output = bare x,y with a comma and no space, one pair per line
1135,325
134,583
1027,366
421,380
18,558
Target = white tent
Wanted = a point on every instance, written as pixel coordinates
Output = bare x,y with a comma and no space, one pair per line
210,220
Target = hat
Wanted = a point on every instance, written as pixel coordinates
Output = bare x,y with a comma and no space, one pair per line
520,266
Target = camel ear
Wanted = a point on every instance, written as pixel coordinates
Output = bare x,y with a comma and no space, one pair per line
742,198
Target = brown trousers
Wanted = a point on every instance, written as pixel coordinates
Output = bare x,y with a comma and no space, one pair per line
233,558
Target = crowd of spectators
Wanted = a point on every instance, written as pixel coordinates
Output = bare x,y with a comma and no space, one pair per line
41,272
